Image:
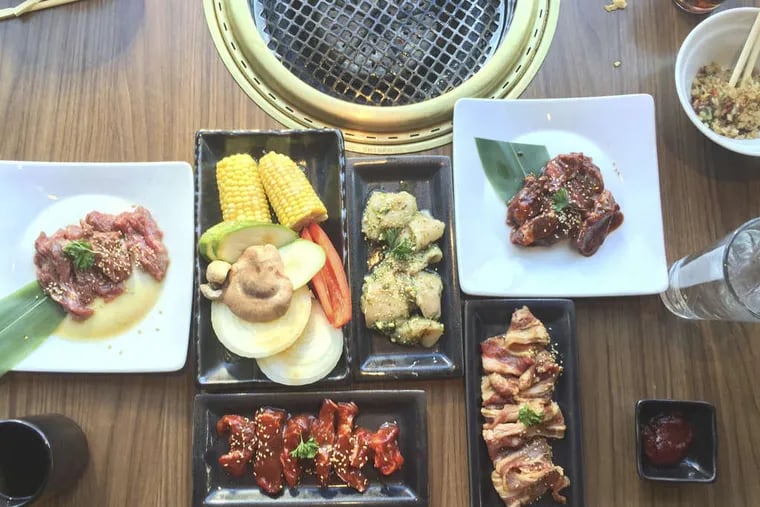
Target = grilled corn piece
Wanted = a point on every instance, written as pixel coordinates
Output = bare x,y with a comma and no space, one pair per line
241,194
293,199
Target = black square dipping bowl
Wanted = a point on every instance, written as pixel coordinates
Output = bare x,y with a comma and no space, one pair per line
701,460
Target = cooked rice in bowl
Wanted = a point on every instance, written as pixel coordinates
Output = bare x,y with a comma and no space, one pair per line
729,111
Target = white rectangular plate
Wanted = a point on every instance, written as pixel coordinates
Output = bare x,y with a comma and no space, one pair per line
618,133
44,196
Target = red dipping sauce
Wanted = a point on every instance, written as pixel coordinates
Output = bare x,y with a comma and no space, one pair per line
667,439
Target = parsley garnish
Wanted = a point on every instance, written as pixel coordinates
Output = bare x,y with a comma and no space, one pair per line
528,417
398,247
81,253
561,200
305,450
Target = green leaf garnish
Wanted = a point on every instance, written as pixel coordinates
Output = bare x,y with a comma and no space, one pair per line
561,200
305,450
507,164
81,253
27,318
528,417
398,247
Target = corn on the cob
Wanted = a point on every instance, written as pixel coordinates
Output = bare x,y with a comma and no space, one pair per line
293,199
241,194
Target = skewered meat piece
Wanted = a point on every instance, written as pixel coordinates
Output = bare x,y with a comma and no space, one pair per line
344,446
266,466
242,443
384,445
296,431
568,200
323,431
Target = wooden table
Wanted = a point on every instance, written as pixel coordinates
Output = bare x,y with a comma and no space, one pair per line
132,80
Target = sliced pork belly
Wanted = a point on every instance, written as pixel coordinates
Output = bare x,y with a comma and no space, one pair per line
497,359
522,488
525,333
489,395
522,476
509,413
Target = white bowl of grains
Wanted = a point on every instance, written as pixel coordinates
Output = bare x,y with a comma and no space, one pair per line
728,116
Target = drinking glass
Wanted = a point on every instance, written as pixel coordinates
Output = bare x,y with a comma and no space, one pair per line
39,456
698,6
722,282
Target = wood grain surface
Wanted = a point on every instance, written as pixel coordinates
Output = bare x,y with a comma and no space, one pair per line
132,80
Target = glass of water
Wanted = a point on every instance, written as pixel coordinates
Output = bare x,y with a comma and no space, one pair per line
698,6
722,282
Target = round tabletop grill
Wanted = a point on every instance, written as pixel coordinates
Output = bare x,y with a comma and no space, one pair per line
387,73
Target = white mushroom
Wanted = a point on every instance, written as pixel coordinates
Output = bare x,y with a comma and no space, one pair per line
210,293
216,272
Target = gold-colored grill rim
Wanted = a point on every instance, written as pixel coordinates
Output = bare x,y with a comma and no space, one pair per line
372,129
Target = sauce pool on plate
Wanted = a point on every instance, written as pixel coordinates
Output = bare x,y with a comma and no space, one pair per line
667,439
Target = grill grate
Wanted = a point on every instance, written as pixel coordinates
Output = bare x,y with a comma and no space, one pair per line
383,52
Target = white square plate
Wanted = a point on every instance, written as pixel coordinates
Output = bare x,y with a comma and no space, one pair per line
618,133
44,196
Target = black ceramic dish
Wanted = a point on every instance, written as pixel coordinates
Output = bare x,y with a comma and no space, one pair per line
406,487
701,463
321,152
489,317
428,178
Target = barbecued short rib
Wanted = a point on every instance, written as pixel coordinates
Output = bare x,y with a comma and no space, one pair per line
568,200
242,443
267,467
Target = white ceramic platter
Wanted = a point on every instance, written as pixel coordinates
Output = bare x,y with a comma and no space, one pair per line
618,133
44,196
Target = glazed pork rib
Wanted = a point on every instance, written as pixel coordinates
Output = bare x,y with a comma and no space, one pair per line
520,373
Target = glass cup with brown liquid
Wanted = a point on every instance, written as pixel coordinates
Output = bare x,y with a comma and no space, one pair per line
698,6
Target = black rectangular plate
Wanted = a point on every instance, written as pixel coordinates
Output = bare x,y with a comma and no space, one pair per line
406,487
428,178
321,152
489,317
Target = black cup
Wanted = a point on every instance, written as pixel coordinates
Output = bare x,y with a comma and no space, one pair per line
40,456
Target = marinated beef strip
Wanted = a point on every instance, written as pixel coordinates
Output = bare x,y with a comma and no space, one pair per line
521,455
242,442
586,213
296,430
384,446
266,465
360,453
118,242
323,432
344,447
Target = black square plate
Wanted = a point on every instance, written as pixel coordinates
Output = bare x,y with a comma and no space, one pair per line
428,178
321,152
489,317
701,463
406,487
